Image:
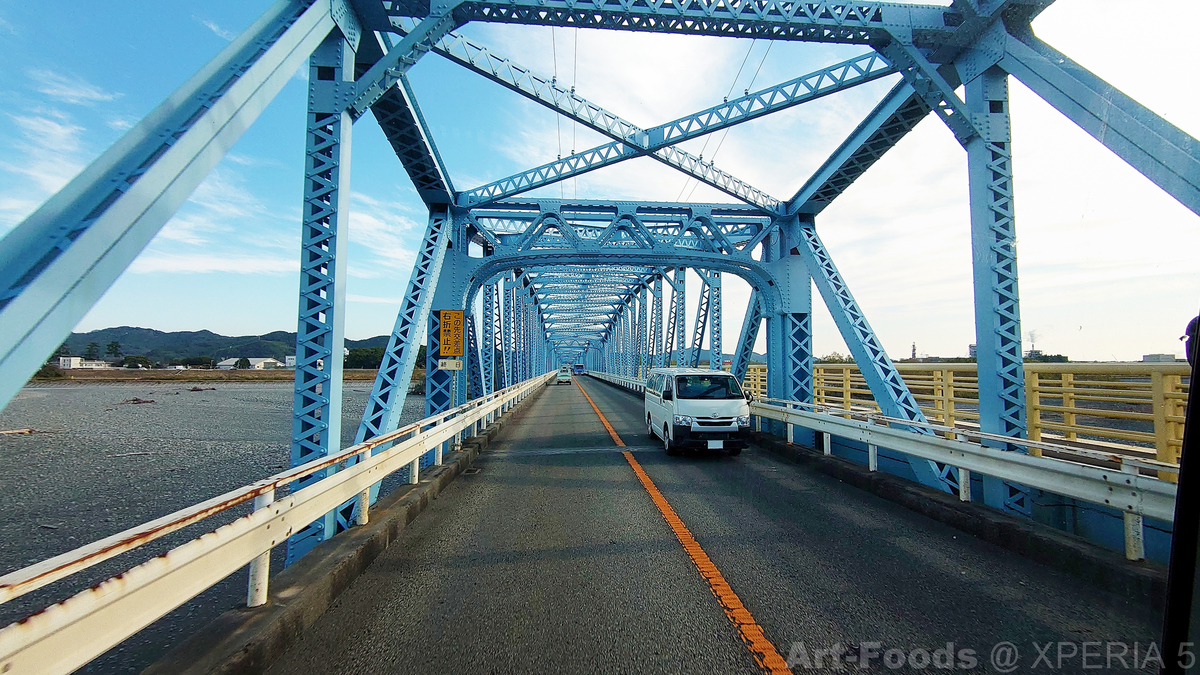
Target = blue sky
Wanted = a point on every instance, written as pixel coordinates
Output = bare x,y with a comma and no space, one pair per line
1105,256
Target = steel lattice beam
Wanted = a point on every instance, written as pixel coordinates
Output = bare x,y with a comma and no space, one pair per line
317,404
1158,149
398,115
58,262
751,324
888,388
896,115
839,22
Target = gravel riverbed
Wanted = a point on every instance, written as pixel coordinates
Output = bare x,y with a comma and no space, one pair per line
98,464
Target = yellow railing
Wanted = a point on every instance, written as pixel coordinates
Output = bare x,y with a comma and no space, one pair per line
1130,408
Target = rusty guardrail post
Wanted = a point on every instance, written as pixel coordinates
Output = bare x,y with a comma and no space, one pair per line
260,567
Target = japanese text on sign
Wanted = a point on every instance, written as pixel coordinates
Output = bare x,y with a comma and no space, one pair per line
450,333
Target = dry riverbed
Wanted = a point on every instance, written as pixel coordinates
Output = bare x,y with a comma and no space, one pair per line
104,457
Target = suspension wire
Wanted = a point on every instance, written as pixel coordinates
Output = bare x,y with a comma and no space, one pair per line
727,129
557,116
727,94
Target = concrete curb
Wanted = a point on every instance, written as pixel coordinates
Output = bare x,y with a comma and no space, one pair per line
243,641
1140,582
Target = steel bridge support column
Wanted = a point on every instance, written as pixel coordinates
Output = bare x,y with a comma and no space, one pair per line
509,299
693,360
317,403
994,262
656,323
487,356
677,333
789,335
474,368
642,360
627,340
716,353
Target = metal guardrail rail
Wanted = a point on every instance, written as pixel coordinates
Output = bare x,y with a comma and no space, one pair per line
1072,472
1088,404
68,635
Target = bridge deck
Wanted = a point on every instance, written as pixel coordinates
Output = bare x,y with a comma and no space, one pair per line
554,558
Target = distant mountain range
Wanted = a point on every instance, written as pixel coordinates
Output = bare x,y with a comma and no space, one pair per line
165,347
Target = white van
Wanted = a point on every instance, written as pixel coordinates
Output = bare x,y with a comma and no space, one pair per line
564,375
696,408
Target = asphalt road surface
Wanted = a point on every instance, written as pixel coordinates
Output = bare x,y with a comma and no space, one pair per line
555,558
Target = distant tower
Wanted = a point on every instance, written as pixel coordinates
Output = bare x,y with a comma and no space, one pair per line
914,355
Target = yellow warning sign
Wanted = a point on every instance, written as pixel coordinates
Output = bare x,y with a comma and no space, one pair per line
450,333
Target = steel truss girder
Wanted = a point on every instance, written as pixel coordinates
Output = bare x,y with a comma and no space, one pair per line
936,86
839,22
751,324
676,331
384,407
402,123
716,353
1159,150
656,322
488,341
888,388
474,369
60,260
317,404
702,314
553,224
524,82
891,120
392,66
631,140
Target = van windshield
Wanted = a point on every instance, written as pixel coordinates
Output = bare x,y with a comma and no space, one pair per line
707,386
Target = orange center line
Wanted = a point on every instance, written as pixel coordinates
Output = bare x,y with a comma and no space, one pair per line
764,653
611,432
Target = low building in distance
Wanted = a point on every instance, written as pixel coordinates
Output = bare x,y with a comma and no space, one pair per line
255,364
78,362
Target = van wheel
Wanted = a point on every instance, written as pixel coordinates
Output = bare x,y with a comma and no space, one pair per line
667,444
735,452
650,428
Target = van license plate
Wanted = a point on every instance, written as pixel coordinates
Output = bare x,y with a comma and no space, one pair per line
715,445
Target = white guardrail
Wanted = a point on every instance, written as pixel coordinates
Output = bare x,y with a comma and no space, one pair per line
1072,472
68,635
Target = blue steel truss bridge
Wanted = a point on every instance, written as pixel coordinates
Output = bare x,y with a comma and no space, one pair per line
542,282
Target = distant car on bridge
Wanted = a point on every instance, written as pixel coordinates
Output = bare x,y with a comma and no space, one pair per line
564,375
695,408
578,369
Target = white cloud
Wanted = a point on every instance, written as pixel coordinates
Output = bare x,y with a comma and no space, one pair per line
226,35
371,300
386,237
68,88
121,123
47,153
199,263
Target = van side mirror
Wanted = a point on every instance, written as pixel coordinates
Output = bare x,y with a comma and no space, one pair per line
749,396
668,395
